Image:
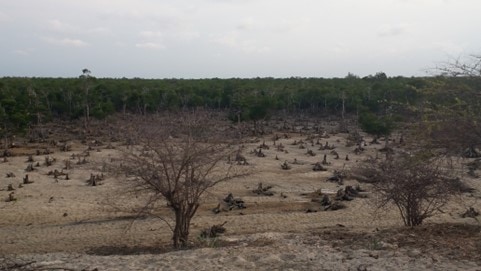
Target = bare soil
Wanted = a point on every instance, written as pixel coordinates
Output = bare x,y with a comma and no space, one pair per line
52,216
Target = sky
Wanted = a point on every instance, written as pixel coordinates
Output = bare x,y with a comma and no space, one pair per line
234,38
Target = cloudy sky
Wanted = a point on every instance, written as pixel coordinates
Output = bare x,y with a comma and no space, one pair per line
234,38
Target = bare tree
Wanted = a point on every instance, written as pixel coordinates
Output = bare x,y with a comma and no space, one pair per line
462,66
419,186
86,88
176,159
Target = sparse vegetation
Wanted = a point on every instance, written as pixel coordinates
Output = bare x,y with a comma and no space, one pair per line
176,160
418,185
175,142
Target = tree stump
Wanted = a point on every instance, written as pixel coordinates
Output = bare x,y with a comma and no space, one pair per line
264,191
240,159
234,202
263,145
68,164
26,180
30,159
259,153
318,167
285,166
29,168
324,160
11,197
213,231
325,201
471,212
217,209
336,205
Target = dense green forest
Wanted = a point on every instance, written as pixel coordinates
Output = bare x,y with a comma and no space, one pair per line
30,101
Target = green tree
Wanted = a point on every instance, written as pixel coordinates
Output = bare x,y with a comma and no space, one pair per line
375,125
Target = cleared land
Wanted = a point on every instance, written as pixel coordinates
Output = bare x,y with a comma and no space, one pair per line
67,223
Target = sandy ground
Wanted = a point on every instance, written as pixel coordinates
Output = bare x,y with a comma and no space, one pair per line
68,224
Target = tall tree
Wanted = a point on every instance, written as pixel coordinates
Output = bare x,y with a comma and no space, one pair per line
86,85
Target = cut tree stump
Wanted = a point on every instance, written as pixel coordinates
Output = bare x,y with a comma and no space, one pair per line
264,191
11,197
285,166
471,212
213,231
318,167
26,180
232,202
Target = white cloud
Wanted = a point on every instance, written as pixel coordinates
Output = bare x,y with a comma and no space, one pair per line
392,30
450,47
281,37
59,26
4,17
67,42
247,24
100,30
23,52
233,40
150,34
186,35
149,45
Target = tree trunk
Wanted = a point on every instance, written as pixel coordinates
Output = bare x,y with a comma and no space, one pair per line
343,105
183,216
5,137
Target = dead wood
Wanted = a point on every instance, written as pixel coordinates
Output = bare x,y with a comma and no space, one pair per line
213,231
264,191
26,180
234,203
470,212
285,166
318,167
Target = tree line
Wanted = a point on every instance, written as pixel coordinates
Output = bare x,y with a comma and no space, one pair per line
31,101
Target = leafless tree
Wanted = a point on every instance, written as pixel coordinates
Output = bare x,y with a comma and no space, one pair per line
418,185
86,85
461,66
176,159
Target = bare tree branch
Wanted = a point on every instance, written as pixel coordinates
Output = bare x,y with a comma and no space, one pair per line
418,185
176,159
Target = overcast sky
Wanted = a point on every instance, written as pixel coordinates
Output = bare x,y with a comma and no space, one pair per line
234,38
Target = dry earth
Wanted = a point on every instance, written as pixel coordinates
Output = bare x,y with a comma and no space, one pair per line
68,224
